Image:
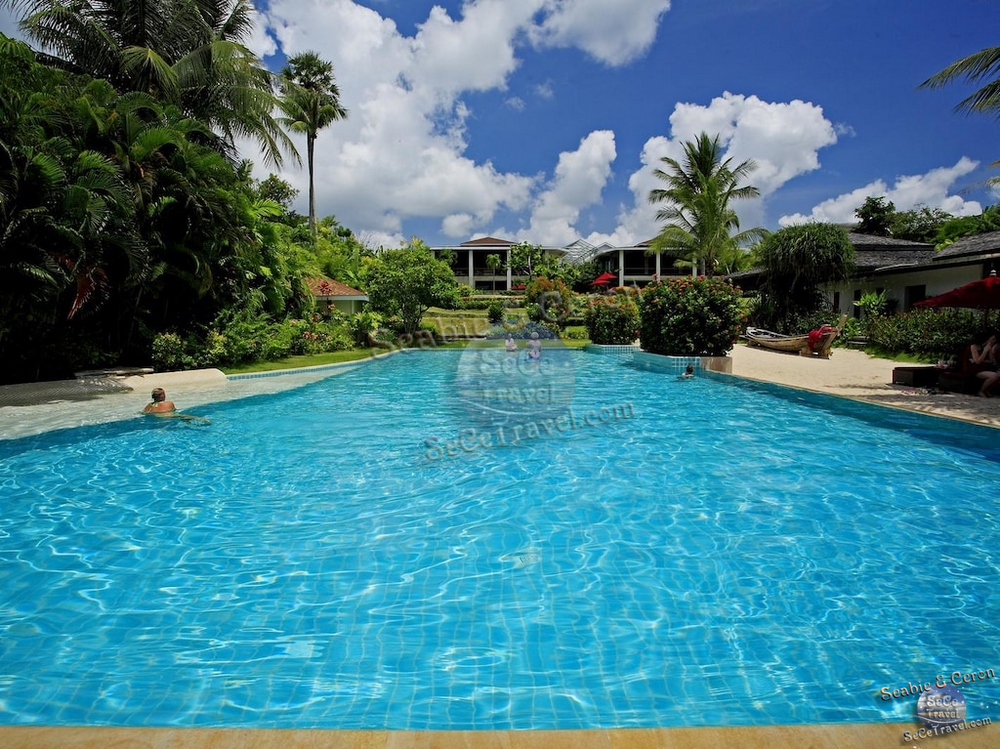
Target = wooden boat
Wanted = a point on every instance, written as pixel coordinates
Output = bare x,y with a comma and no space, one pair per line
796,343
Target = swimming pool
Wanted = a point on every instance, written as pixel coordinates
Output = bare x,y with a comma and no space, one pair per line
725,553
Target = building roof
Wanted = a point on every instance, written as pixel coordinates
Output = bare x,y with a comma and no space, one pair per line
978,244
487,241
880,253
327,288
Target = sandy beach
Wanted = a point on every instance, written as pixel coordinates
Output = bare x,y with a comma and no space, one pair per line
854,374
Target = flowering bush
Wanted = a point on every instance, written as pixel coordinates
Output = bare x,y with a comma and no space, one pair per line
690,317
549,302
612,320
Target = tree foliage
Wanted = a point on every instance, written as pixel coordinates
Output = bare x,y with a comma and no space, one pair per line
187,53
690,317
875,216
119,218
310,101
980,67
405,283
699,219
795,262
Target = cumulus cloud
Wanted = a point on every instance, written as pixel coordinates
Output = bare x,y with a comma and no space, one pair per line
783,138
580,176
613,33
402,151
907,193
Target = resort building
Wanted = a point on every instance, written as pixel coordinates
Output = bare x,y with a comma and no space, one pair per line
909,272
336,296
631,265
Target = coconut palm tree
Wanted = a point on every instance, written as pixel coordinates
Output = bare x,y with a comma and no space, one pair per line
184,52
698,218
493,262
981,66
310,101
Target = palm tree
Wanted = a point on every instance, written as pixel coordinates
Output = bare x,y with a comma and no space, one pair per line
310,100
493,262
184,52
698,217
981,66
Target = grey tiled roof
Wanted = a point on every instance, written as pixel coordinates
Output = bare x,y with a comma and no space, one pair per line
871,259
867,241
978,244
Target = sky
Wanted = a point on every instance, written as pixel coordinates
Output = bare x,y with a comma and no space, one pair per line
544,120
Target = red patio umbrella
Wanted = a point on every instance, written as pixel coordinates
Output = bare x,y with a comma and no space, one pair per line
982,294
604,279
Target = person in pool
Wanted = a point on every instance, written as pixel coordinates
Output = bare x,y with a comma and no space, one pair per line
160,406
688,373
534,348
511,344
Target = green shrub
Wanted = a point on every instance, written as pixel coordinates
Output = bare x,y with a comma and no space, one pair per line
926,332
549,303
690,317
494,311
170,353
612,320
362,325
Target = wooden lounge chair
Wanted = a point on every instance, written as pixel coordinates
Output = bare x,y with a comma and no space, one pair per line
796,343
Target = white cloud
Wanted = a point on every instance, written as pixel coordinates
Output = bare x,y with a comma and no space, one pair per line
783,138
579,179
909,192
614,32
401,153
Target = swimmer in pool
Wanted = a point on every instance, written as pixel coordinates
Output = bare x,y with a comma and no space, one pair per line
160,406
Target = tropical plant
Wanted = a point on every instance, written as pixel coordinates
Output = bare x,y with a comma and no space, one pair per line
795,262
549,302
182,52
524,259
875,216
699,220
612,320
310,101
493,262
494,311
982,66
690,317
405,283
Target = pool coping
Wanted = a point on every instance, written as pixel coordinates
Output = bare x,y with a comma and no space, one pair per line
835,736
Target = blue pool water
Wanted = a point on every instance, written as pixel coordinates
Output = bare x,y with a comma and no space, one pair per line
720,554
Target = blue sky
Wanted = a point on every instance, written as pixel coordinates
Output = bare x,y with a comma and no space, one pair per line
542,120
